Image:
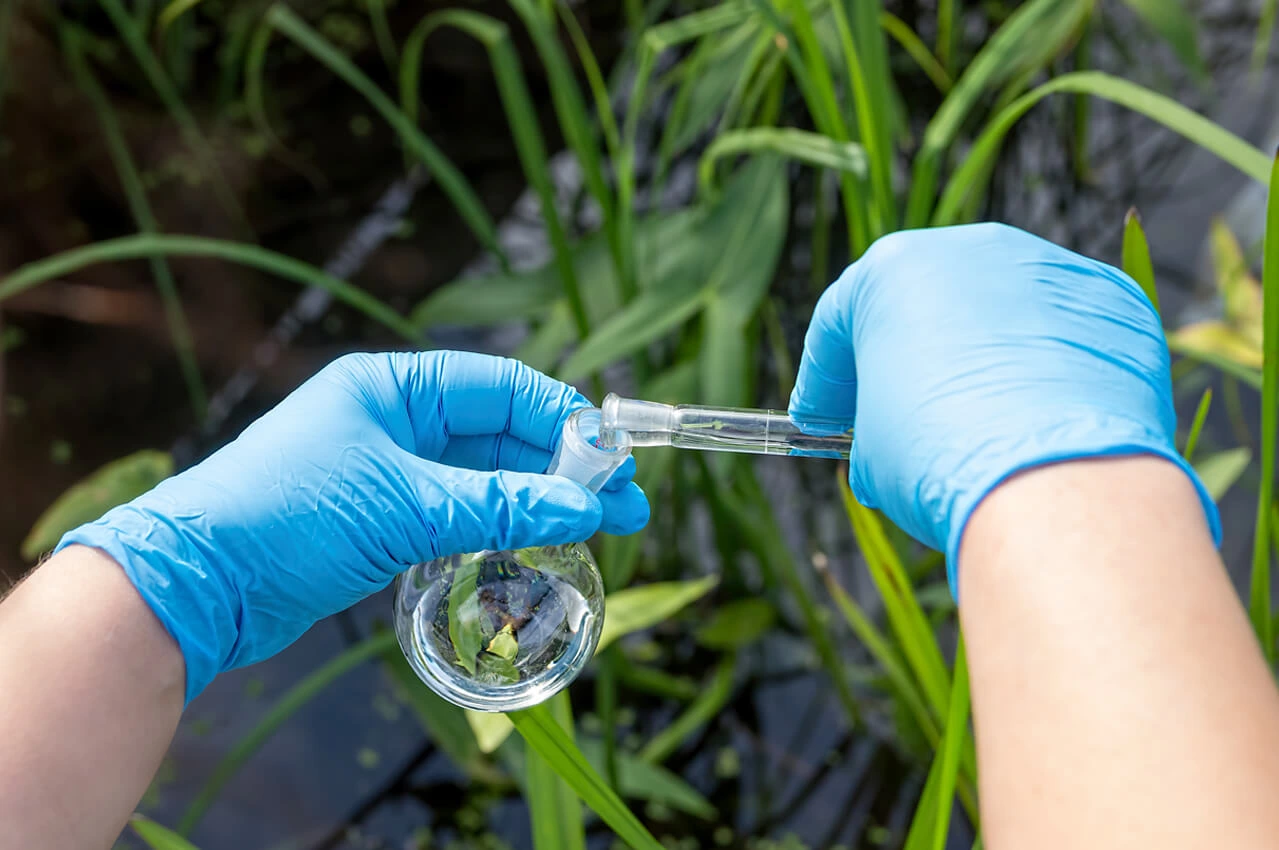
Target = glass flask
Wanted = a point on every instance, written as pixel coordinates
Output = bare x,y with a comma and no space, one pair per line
501,631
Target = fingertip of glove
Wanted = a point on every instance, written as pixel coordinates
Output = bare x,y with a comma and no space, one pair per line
569,505
621,477
625,511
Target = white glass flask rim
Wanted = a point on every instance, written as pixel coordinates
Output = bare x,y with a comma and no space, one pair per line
579,458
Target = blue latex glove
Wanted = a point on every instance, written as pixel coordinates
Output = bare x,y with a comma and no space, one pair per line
962,355
379,462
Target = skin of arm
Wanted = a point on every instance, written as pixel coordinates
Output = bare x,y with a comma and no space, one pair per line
1120,699
92,687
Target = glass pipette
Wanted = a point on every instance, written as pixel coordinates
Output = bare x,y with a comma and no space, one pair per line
722,429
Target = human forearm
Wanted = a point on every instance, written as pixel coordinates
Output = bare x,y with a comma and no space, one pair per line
1119,696
92,689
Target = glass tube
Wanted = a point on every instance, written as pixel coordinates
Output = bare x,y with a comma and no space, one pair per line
721,429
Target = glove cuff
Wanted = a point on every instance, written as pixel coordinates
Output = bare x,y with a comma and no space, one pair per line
194,605
1093,439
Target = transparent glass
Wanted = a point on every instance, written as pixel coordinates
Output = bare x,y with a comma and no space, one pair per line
501,631
721,429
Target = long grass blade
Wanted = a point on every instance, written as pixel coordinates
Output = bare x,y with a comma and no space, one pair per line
1259,595
172,12
800,145
709,703
1136,256
158,837
1175,24
931,824
877,644
257,39
570,107
1265,33
136,41
517,102
594,78
450,179
952,746
544,736
284,708
140,208
382,32
946,33
163,245
756,523
905,615
554,811
917,50
877,102
639,780
1208,135
1031,36
1220,471
815,80
1197,424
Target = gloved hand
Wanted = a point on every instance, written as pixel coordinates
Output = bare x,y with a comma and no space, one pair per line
962,355
378,462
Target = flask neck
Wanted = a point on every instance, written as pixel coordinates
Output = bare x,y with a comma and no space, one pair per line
580,457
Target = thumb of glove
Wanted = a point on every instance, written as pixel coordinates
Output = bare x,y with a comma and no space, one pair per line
505,510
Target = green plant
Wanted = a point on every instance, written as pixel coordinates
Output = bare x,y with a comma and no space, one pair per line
764,95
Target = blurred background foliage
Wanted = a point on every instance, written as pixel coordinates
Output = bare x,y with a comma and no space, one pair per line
208,199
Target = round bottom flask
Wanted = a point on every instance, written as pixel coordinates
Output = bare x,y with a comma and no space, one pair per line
501,631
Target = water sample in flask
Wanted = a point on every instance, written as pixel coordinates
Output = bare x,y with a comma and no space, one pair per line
501,631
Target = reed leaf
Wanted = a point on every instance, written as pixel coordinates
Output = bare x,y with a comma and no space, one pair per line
634,609
909,624
737,624
800,145
709,703
172,12
143,217
163,245
1259,594
952,746
1197,424
570,109
554,811
544,736
916,50
947,31
1220,471
158,837
1265,32
1136,257
640,780
1210,136
133,37
446,174
112,484
1174,23
1031,36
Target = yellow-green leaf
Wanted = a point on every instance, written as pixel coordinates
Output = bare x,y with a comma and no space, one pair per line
1220,471
737,624
158,837
114,484
490,728
1240,291
637,608
1216,339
